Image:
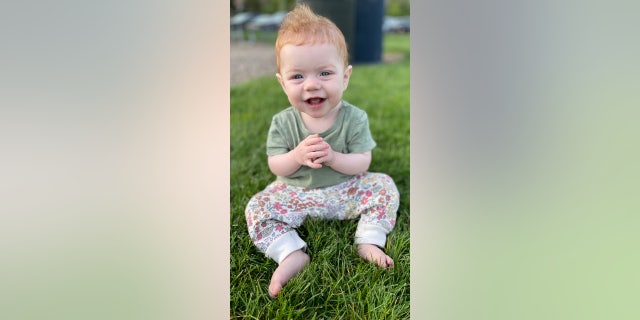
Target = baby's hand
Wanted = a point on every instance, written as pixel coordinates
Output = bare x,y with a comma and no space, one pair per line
328,158
310,150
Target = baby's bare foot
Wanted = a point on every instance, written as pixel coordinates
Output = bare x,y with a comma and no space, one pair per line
289,267
372,253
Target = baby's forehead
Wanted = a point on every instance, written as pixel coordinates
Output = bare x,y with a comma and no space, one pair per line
311,38
317,49
316,55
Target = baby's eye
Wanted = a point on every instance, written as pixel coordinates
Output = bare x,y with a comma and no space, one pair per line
296,76
325,73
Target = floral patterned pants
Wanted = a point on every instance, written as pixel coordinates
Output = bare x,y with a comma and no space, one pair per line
274,213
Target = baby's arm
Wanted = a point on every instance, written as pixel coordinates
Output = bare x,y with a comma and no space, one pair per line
346,163
307,150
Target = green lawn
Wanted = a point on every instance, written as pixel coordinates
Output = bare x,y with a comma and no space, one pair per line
337,284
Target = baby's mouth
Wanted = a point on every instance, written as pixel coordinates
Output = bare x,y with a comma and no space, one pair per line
315,101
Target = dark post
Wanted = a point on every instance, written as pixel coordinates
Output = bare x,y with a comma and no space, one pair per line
368,34
361,23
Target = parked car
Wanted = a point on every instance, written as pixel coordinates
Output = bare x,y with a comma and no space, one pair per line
240,20
396,24
266,22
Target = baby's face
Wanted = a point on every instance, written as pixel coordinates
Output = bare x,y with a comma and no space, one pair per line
314,77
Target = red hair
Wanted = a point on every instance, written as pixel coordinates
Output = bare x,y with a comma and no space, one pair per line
302,26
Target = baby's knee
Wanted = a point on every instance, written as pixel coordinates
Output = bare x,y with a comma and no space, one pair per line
388,196
388,185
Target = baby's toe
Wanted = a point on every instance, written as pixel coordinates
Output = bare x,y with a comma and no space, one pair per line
274,289
390,263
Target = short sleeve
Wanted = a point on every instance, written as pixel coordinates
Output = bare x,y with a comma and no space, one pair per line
276,141
360,139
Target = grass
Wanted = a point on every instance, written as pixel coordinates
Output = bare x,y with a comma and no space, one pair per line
337,284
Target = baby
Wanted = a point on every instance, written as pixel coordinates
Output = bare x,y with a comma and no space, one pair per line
320,151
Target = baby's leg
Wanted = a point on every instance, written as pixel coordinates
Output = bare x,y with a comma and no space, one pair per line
269,218
378,200
288,268
271,222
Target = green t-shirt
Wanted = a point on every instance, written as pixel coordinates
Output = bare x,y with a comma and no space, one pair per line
348,134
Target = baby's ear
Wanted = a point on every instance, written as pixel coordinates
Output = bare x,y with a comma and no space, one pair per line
280,80
347,75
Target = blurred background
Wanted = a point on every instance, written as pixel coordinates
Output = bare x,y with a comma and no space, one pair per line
362,21
366,25
267,15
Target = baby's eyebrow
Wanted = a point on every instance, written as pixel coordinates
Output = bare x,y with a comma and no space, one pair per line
320,67
288,74
327,66
296,70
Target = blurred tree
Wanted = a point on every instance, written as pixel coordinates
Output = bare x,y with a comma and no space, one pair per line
263,6
394,7
398,8
252,5
234,9
271,6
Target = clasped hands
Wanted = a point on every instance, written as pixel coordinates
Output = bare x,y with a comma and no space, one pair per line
313,152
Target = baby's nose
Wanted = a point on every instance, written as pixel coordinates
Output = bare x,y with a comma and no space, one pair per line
311,84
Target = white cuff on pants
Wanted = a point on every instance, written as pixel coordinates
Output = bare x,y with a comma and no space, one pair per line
371,234
284,246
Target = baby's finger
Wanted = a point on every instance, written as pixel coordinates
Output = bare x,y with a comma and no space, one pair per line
320,154
314,139
313,165
312,136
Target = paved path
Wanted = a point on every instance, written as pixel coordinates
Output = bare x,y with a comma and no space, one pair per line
249,61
